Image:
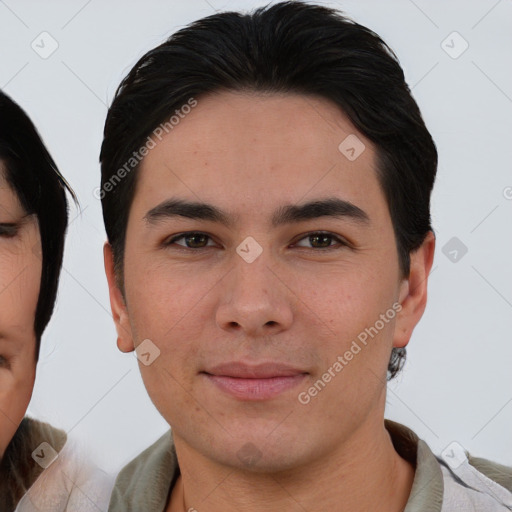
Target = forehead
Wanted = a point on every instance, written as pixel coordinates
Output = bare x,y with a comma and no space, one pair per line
245,123
250,149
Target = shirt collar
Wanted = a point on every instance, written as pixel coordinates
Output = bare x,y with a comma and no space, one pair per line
427,488
149,478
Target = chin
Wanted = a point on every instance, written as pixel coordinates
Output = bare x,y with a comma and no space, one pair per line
257,454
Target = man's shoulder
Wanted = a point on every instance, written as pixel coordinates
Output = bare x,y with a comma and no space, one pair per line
475,484
453,481
146,480
497,472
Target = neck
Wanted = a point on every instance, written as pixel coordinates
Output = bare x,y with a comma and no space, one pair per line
366,473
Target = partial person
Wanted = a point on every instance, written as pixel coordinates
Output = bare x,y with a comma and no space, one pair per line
40,470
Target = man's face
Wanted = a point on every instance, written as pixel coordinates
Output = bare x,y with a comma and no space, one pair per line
244,336
20,277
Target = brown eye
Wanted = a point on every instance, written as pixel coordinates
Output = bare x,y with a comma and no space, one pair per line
193,240
4,363
321,240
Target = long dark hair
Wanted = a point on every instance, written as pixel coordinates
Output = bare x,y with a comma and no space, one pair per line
41,190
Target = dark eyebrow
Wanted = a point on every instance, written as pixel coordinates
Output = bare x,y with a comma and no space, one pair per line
287,214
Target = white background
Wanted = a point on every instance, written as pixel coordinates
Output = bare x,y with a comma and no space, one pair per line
457,383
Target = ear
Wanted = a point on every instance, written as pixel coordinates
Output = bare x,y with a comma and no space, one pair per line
117,304
413,291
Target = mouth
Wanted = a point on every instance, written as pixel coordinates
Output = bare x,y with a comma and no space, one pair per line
254,382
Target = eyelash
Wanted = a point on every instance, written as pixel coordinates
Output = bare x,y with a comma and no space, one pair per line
341,242
8,230
4,363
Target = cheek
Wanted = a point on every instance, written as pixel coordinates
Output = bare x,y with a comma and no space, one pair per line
8,427
175,309
165,307
166,300
20,278
15,396
30,283
345,309
348,299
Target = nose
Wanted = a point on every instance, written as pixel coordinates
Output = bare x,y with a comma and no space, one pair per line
255,299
